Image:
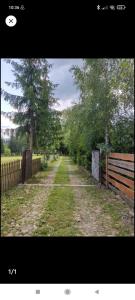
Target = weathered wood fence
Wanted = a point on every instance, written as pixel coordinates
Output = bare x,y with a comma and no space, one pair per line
119,174
36,165
11,173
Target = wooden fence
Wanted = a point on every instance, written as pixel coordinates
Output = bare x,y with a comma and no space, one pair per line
119,174
36,165
11,173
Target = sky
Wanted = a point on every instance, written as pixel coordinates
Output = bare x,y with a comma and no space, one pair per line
60,73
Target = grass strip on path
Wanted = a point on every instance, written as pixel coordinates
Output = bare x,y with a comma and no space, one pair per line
57,218
42,175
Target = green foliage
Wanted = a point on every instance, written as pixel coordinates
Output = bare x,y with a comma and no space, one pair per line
44,165
17,144
104,148
2,146
35,116
103,116
7,150
122,135
50,132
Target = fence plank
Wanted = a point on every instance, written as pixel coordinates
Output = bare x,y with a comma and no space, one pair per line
36,164
128,200
122,171
11,173
122,164
123,156
121,187
106,170
8,174
123,179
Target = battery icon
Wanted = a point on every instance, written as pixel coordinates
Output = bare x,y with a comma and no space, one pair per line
121,7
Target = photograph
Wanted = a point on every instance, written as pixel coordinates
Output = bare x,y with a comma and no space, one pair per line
67,147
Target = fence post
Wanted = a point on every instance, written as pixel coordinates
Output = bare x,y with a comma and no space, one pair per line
23,166
100,168
106,170
95,164
26,165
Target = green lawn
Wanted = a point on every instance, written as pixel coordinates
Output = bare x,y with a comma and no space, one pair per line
11,203
5,159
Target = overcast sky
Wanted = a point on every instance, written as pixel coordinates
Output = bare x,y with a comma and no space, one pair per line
66,92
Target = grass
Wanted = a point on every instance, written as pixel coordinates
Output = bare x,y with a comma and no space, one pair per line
17,198
62,174
109,203
11,203
5,159
57,218
42,174
111,206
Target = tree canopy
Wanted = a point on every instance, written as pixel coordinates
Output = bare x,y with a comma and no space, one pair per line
103,117
34,109
104,113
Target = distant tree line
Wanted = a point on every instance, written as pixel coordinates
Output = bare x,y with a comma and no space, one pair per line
14,146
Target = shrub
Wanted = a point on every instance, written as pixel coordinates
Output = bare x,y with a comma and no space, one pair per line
7,151
44,165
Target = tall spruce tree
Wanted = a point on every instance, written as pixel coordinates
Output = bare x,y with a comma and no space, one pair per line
33,108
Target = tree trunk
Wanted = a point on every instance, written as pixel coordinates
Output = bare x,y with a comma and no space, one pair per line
31,129
44,157
106,136
31,139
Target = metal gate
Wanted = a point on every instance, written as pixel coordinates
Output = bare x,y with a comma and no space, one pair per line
95,164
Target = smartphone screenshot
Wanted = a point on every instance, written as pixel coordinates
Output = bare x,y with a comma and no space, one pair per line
67,151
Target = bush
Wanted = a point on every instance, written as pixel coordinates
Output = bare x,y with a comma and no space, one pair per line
7,151
44,165
2,146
